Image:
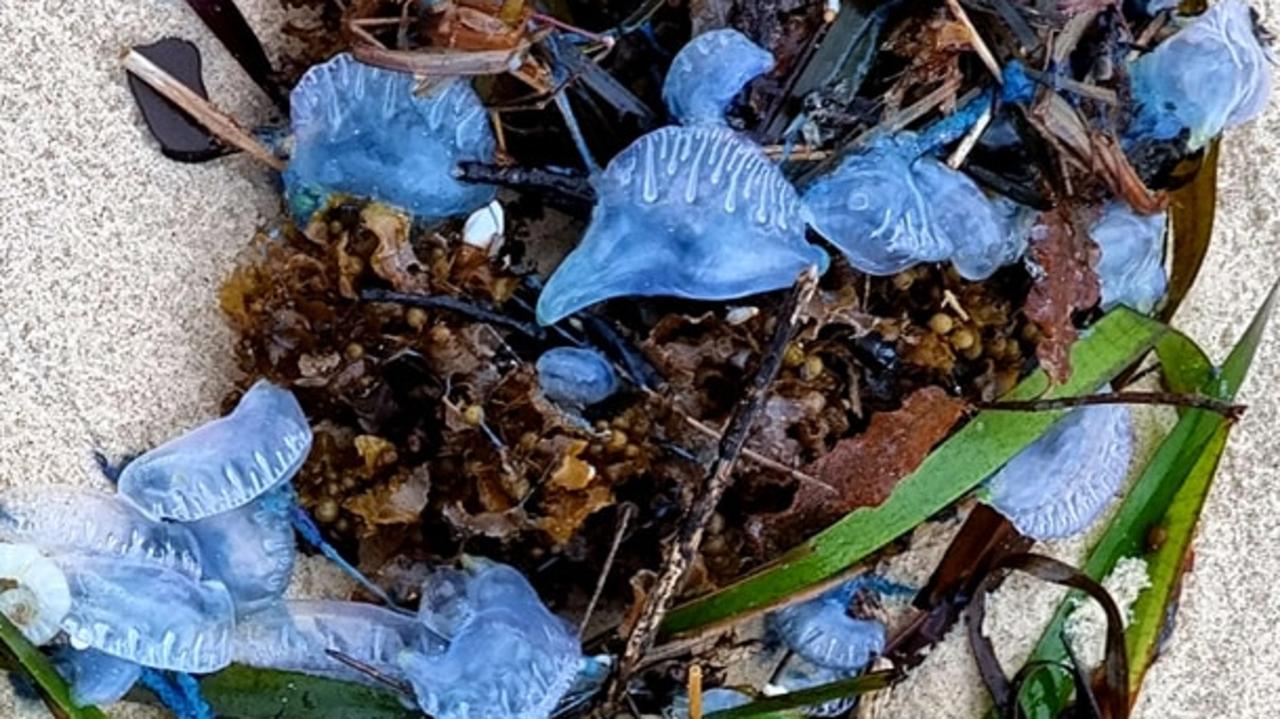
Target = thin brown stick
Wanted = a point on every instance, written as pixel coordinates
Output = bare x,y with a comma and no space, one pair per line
689,536
760,459
970,140
979,45
618,534
695,691
370,671
1232,412
219,123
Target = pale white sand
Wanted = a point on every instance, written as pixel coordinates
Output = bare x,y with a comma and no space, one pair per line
110,256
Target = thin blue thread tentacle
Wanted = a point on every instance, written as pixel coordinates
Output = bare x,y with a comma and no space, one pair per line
310,532
196,705
170,696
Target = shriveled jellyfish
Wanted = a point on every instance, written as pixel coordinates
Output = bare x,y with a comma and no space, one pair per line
147,614
224,464
508,656
94,677
1058,485
34,593
61,518
1211,75
964,215
1131,266
709,72
821,630
798,674
251,549
295,636
713,700
695,212
366,131
576,377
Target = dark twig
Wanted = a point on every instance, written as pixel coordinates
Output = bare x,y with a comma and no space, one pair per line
689,536
234,32
472,310
1231,412
570,186
618,535
371,671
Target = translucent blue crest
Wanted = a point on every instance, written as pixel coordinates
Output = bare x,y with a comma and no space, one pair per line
146,614
295,635
1059,484
224,464
698,213
576,377
1131,266
95,678
1211,75
61,518
821,630
365,131
798,673
250,549
713,700
709,72
508,656
887,210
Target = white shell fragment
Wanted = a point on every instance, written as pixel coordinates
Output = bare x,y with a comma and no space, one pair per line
709,72
95,678
821,630
34,595
294,636
485,227
1131,267
149,615
224,464
508,656
576,377
1213,74
251,549
62,518
695,212
1058,485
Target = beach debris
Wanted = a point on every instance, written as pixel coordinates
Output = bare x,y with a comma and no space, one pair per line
225,464
485,228
1213,74
95,677
250,549
1131,257
1065,282
365,131
709,72
1056,487
576,377
34,595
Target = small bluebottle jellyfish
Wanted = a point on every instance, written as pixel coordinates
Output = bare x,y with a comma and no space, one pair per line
95,678
1059,484
1131,266
146,614
508,656
697,212
709,72
1212,74
225,464
821,630
295,636
251,549
366,131
961,212
61,518
576,377
713,700
798,674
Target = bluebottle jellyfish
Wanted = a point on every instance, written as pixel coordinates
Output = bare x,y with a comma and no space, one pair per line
61,518
822,632
295,636
1131,265
1212,74
696,212
709,72
146,614
713,700
366,131
34,592
95,678
1059,484
251,549
508,656
576,377
224,464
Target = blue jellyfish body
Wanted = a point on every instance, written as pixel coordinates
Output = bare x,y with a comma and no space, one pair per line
365,131
694,212
61,518
798,674
713,700
296,635
508,656
225,464
146,614
1059,484
576,377
709,72
95,678
251,549
1131,265
821,630
1213,74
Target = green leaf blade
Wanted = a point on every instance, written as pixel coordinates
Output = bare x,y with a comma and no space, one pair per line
240,692
37,666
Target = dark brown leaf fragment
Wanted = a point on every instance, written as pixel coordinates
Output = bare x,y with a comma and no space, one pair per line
1066,283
